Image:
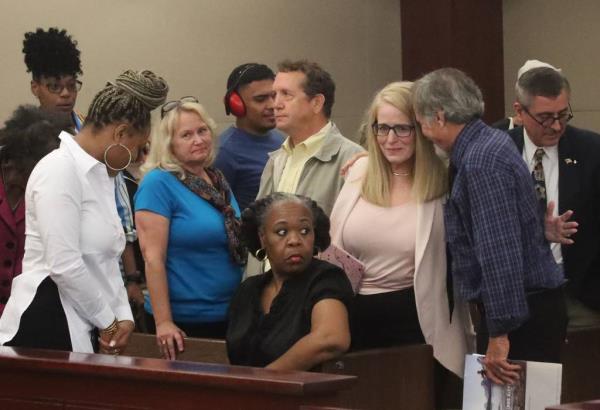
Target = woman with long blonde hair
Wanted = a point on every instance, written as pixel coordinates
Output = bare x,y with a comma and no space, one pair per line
389,216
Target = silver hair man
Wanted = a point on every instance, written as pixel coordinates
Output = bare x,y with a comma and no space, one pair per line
450,91
541,81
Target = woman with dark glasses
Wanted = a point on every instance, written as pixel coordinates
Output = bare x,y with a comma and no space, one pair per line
188,227
53,59
389,216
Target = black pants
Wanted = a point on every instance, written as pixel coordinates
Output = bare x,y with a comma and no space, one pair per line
213,330
541,337
44,324
385,320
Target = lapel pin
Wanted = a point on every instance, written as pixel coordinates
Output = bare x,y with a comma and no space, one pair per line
570,161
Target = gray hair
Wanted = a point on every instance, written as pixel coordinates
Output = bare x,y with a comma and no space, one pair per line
448,90
541,81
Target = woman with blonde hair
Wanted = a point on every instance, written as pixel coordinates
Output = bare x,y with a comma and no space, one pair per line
188,227
389,216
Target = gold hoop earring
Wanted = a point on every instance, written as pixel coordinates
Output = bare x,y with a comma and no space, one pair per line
106,159
261,254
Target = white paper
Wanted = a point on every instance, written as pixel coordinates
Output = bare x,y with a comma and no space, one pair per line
538,388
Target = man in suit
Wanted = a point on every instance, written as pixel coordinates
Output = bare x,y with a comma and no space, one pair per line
570,165
509,123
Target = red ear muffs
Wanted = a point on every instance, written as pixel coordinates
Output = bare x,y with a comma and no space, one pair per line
234,104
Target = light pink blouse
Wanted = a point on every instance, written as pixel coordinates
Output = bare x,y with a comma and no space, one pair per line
388,254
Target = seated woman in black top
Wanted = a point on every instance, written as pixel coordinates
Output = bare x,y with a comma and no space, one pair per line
294,316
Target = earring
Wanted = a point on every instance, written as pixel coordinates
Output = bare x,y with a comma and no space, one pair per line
261,254
106,159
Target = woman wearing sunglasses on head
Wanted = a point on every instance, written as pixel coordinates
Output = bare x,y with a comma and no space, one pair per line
188,227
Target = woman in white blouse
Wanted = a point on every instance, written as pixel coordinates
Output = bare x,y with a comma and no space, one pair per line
389,216
70,295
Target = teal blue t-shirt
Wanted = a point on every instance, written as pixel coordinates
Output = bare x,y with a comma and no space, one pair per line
201,274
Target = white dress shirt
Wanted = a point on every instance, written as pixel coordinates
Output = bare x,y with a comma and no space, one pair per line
74,235
550,164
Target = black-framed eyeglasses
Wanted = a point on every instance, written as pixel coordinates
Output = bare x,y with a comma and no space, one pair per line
548,120
169,105
56,88
400,130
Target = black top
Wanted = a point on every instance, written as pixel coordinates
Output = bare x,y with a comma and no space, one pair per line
257,339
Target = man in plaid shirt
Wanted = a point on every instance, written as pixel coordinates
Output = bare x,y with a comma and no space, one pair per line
501,261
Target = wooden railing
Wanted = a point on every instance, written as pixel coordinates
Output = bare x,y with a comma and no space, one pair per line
43,379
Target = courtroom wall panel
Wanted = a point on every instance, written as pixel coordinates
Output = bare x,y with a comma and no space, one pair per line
465,34
564,34
195,44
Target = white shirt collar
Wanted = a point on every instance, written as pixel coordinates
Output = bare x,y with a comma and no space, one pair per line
84,161
529,149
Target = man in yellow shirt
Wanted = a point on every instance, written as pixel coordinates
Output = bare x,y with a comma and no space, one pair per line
309,161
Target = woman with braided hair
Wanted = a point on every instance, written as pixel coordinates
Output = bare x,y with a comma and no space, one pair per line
296,315
70,295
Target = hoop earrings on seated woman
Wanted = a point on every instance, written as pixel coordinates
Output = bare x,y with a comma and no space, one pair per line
261,254
106,157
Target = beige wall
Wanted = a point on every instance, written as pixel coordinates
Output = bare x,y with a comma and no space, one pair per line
195,44
564,34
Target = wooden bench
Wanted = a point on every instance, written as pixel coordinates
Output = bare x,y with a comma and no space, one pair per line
588,405
45,379
394,378
581,361
196,350
391,378
387,377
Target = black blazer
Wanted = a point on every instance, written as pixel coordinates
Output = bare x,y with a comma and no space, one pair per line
502,124
579,190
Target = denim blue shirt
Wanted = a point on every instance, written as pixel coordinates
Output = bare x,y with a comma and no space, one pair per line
493,227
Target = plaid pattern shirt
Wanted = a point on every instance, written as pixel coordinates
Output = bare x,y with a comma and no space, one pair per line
124,208
494,232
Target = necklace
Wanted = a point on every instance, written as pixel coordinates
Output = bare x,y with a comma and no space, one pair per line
401,174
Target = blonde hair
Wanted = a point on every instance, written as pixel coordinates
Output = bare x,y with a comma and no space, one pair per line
429,172
161,155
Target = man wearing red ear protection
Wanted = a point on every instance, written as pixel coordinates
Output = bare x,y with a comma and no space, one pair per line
244,147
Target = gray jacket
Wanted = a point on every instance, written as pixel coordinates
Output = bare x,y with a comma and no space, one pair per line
320,179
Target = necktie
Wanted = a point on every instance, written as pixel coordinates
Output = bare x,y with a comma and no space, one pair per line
538,177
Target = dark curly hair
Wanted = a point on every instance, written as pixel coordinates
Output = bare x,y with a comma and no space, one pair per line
29,135
254,216
130,99
51,53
